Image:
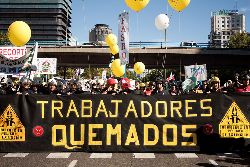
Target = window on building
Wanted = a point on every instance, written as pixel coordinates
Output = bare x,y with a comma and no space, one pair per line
223,37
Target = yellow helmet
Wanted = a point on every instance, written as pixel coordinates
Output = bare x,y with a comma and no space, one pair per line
142,84
215,80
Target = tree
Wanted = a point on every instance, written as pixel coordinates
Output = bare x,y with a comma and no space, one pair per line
3,39
153,75
239,40
70,72
90,73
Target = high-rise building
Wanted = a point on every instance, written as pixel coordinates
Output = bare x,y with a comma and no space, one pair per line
224,24
49,20
98,33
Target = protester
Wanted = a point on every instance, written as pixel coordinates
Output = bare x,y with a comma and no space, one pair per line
245,87
124,86
25,86
159,88
111,86
52,87
215,85
141,90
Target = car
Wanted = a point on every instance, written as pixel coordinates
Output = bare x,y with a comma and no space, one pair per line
189,44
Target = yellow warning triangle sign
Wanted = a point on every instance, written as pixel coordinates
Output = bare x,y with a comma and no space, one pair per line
234,124
11,128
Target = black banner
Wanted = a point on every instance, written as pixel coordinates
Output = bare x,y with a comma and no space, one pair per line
124,123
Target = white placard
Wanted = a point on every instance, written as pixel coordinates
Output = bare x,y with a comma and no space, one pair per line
46,65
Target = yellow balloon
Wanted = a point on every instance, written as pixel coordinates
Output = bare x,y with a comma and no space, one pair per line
178,5
119,71
139,67
137,5
19,33
111,39
116,63
114,49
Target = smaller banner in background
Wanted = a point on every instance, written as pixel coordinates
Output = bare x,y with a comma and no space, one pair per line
123,38
46,65
197,71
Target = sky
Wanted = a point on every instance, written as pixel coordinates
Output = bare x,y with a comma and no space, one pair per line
192,24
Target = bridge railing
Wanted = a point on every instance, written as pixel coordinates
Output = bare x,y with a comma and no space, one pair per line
139,44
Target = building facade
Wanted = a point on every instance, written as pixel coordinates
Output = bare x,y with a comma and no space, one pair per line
224,24
98,33
49,20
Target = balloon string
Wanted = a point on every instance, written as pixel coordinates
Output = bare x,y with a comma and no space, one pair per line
179,22
137,25
167,8
170,15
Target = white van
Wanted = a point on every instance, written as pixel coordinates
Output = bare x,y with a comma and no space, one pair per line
189,44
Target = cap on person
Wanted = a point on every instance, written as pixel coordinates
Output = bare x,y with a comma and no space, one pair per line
125,83
111,81
24,80
215,80
142,84
52,82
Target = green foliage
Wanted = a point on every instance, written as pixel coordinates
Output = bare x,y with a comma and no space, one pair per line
239,40
90,73
153,74
70,72
131,74
4,39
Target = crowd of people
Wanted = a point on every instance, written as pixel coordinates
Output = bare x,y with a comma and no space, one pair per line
123,86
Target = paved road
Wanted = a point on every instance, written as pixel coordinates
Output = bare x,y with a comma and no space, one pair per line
80,159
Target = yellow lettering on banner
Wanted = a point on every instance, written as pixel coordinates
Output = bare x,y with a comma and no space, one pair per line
114,131
72,135
61,142
132,136
43,104
209,108
165,109
101,108
175,108
148,142
115,115
143,115
93,134
165,133
72,108
58,108
131,108
86,107
189,108
188,135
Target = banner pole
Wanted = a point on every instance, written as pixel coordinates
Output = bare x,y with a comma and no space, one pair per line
125,75
180,68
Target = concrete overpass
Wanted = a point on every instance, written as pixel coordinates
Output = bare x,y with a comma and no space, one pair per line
151,57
